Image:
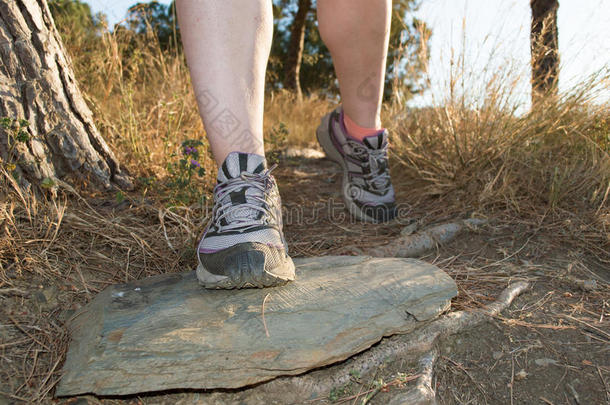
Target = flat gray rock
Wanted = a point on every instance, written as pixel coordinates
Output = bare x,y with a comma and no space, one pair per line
167,332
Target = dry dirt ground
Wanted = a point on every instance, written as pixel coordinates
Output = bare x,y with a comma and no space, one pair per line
550,347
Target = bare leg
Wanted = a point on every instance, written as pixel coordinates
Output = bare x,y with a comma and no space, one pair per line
357,33
227,45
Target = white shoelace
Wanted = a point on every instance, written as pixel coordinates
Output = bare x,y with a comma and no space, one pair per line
243,216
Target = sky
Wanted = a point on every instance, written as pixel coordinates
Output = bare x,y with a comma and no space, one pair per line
487,39
493,37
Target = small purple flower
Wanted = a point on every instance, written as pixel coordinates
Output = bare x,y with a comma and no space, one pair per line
195,163
188,150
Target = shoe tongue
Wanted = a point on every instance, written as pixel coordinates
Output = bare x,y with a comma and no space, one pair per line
238,162
235,164
377,141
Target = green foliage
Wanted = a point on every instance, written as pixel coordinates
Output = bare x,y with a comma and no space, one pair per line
157,19
184,170
48,183
317,71
81,33
600,132
149,28
78,26
407,55
408,52
16,130
337,393
157,23
75,22
276,140
77,15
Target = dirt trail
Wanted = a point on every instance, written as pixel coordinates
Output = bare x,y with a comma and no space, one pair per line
550,347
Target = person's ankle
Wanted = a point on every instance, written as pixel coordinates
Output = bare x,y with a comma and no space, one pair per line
358,132
220,157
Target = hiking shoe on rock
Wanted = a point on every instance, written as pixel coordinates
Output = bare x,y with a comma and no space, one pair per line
367,189
243,244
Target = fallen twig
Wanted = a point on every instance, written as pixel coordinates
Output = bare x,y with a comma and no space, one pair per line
512,378
263,314
14,291
601,377
595,329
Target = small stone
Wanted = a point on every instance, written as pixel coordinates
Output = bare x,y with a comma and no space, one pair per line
497,355
544,362
50,294
574,392
588,285
584,285
521,375
46,298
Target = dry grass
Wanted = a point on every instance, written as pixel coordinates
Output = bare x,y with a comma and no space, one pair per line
548,171
55,255
301,118
550,167
142,100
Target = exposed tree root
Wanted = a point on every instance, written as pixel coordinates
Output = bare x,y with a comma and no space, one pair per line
418,346
422,393
419,243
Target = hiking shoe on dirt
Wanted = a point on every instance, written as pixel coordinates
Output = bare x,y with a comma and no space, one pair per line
367,189
243,244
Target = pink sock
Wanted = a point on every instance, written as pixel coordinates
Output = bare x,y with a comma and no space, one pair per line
356,131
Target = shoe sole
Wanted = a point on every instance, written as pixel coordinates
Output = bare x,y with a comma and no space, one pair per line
266,279
323,136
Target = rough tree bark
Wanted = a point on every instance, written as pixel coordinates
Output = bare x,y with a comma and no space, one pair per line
37,84
544,49
292,67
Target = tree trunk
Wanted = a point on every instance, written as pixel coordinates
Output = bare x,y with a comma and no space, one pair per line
544,48
292,67
59,140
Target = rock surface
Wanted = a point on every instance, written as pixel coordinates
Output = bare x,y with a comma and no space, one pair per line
167,332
